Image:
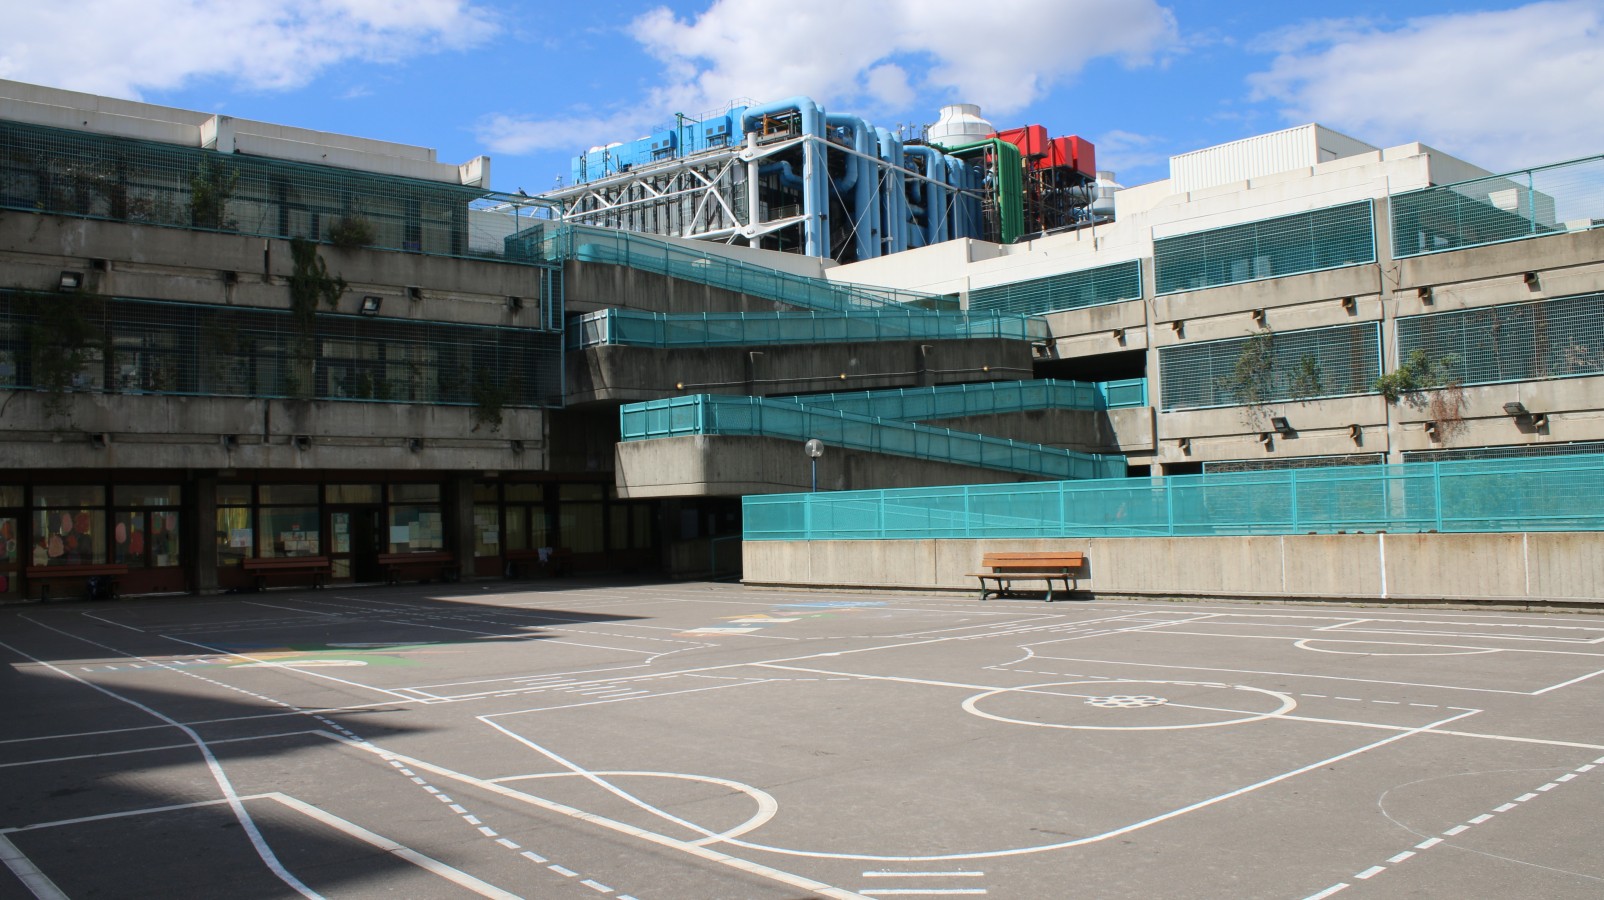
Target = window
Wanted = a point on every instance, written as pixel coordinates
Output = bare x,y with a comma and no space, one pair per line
68,524
145,526
288,521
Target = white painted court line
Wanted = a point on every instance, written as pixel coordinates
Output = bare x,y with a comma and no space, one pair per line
885,874
1370,872
427,863
922,892
1341,885
28,873
706,853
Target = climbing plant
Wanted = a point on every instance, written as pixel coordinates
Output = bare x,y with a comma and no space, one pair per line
1249,382
1423,380
490,400
310,284
63,337
210,188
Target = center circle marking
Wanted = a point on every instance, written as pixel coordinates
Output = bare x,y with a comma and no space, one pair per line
1129,701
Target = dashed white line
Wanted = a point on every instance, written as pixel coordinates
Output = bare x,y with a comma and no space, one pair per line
510,845
1402,856
596,886
1481,818
1371,872
532,856
566,873
1341,885
1457,829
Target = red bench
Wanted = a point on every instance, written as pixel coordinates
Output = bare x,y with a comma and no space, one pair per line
260,568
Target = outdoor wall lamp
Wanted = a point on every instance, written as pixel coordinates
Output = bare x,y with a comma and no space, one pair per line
1281,425
70,281
514,304
1184,445
1532,281
414,292
1350,304
302,441
1179,327
99,440
1258,317
370,305
1424,294
1267,438
1515,408
1430,428
1355,432
415,445
1119,335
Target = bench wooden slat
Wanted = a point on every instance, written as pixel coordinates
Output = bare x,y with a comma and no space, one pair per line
1048,566
395,563
44,576
261,567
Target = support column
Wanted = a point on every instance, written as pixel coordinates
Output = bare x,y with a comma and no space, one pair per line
203,512
459,504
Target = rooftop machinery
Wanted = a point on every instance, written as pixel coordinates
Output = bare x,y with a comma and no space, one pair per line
789,176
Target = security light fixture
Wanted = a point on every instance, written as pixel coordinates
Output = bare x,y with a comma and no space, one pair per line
1430,428
516,446
1184,445
1532,281
1266,438
302,441
71,281
1178,326
415,444
1424,293
1258,317
1539,421
230,277
370,305
1119,335
229,441
1350,304
1514,408
414,292
514,304
99,440
1355,432
1280,424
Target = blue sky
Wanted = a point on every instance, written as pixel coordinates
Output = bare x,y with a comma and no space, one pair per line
1501,84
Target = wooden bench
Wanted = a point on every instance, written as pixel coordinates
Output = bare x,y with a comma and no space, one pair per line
45,576
396,564
559,562
260,568
1049,567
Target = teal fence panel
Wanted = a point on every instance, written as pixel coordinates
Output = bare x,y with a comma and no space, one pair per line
1528,203
646,329
959,400
1554,338
648,253
1342,360
1554,493
1070,290
1287,245
736,415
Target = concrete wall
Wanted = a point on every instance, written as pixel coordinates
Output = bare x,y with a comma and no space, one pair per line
158,432
730,466
146,261
627,374
1516,569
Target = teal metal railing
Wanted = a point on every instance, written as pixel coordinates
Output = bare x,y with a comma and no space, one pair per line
732,415
1552,199
1533,494
649,253
956,400
1286,245
647,329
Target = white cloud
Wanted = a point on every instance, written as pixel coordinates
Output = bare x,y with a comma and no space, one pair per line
124,47
874,58
1003,59
1502,89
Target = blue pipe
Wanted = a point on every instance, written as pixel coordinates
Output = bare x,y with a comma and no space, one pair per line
935,192
894,216
815,199
861,180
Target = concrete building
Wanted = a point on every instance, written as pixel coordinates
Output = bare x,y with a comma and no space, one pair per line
235,353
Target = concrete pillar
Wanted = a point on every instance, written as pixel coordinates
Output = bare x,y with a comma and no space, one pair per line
459,509
203,512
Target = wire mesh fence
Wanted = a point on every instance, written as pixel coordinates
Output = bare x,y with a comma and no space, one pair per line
1527,203
1533,494
1271,366
726,415
1286,245
1070,290
68,343
1554,338
75,173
